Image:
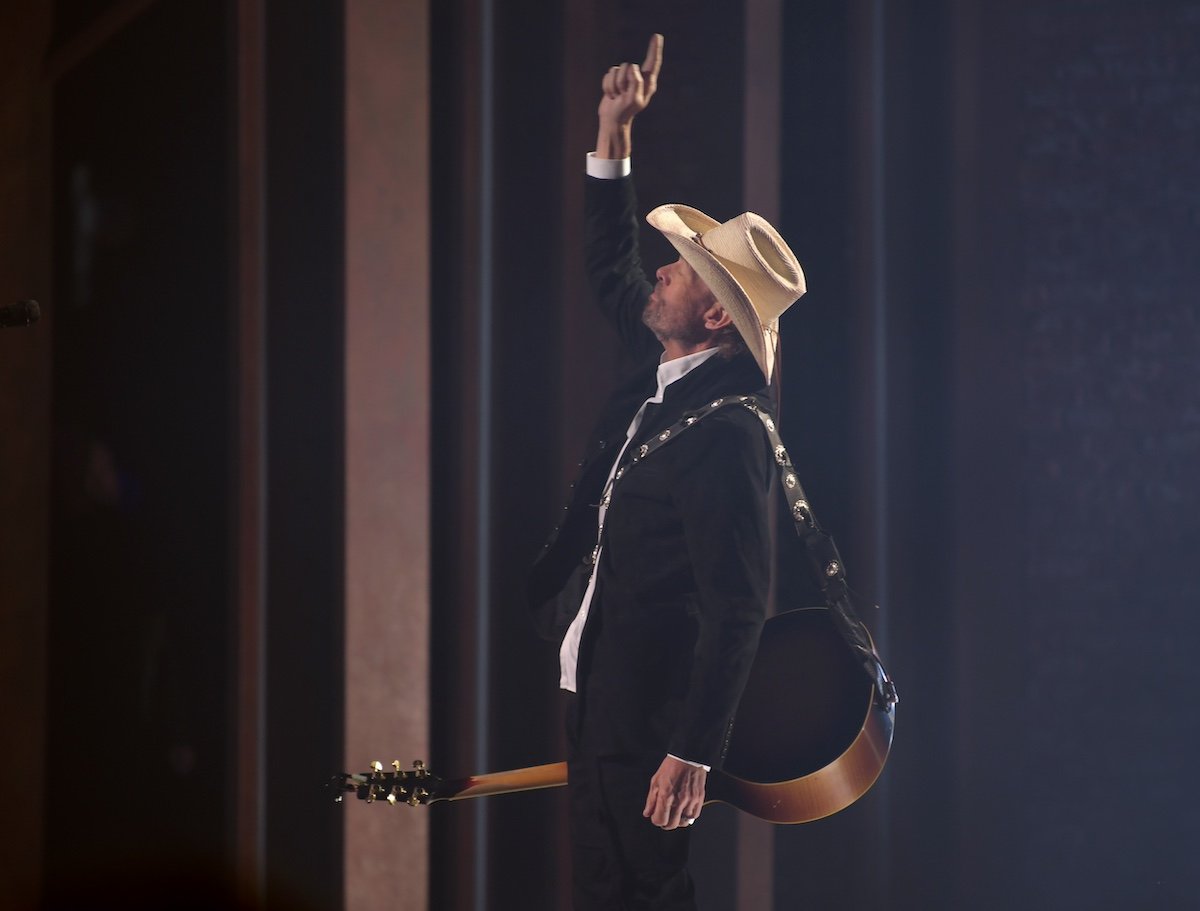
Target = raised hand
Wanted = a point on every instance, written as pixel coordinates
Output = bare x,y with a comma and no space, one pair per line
626,90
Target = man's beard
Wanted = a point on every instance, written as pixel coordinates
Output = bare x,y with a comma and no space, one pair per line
672,326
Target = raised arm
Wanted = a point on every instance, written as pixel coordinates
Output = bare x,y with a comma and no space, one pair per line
618,283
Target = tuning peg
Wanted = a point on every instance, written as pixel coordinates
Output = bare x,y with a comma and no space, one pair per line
417,797
419,768
376,766
396,764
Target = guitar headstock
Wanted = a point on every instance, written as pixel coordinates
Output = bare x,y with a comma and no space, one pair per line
415,786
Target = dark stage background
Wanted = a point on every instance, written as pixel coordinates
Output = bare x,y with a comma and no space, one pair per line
992,390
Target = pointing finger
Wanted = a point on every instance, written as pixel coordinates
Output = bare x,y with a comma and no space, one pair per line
653,62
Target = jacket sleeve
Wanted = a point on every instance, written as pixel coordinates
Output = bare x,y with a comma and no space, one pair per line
721,488
614,267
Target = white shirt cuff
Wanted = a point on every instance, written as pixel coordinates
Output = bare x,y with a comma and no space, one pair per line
694,765
608,168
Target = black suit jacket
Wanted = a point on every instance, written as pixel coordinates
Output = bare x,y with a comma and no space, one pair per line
683,578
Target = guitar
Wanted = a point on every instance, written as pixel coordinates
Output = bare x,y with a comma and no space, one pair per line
812,735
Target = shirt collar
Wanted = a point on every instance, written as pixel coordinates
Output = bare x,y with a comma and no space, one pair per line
679,367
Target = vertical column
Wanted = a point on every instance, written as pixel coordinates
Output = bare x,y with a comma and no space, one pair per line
870,211
387,443
251,482
761,188
457,540
25,204
873,372
761,128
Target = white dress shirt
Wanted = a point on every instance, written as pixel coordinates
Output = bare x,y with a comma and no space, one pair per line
668,372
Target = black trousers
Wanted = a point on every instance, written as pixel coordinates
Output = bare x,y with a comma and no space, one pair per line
620,861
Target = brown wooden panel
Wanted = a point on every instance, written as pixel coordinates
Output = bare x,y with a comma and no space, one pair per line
388,443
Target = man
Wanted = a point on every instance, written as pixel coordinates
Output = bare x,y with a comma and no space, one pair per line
657,579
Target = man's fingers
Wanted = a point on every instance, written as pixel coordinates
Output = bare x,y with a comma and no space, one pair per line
624,78
634,81
653,62
609,84
663,811
658,806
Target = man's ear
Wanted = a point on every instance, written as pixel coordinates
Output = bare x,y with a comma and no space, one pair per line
716,317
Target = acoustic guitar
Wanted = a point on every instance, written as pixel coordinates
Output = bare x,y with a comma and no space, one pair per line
811,736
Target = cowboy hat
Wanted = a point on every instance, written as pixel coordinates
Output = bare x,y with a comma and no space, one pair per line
745,264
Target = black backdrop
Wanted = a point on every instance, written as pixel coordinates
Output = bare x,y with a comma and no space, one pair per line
139,638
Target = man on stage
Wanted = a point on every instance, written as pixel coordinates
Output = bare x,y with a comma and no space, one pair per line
656,582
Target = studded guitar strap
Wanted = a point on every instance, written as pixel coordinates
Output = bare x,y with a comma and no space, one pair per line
823,557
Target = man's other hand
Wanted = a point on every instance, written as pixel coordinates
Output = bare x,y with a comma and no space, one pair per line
676,794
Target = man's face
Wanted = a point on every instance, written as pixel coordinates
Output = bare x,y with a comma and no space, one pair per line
677,305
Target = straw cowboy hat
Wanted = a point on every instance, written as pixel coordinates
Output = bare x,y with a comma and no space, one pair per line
745,264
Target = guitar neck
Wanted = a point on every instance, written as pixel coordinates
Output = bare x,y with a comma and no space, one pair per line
552,775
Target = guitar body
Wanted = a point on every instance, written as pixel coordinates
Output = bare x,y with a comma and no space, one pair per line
810,736
809,739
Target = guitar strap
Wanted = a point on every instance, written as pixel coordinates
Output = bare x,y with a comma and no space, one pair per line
824,560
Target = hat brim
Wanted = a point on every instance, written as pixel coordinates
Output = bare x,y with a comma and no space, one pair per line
680,225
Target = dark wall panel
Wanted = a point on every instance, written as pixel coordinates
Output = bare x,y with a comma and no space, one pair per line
140,568
305,459
1104,178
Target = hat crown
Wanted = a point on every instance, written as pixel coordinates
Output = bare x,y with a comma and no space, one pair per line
763,264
